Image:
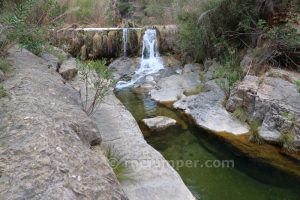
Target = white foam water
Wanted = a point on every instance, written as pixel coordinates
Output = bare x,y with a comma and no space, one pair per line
150,63
125,41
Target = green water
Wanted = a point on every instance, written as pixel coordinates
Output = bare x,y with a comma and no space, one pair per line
245,181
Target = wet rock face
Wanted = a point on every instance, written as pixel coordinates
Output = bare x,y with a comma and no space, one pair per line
94,43
273,101
168,37
159,123
45,139
108,43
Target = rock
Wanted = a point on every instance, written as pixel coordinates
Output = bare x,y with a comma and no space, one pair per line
68,69
146,86
243,95
123,68
170,61
83,53
290,76
179,71
189,68
208,112
273,101
46,140
210,67
2,76
53,61
172,88
152,177
168,37
149,78
246,64
99,42
159,123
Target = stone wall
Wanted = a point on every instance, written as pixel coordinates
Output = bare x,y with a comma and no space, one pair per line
95,43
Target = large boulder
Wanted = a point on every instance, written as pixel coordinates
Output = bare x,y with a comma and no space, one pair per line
52,60
210,68
46,139
271,100
208,111
68,69
159,123
123,68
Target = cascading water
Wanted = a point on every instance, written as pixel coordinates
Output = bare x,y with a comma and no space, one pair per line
150,62
125,41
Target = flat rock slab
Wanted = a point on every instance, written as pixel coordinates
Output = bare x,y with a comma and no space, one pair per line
45,139
159,123
171,88
152,177
208,112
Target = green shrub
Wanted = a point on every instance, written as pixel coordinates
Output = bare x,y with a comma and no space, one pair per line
254,132
34,41
86,9
284,48
298,85
288,140
229,73
193,41
97,79
3,92
240,114
154,9
285,114
195,91
125,8
118,164
222,22
28,21
4,65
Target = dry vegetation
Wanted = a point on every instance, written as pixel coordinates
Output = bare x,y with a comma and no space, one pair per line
98,12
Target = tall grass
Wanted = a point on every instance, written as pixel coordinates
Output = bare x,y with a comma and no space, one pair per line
118,164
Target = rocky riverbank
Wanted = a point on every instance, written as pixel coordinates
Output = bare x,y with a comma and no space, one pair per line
272,99
151,176
51,149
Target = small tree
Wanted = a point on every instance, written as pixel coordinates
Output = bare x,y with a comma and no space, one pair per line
26,22
97,83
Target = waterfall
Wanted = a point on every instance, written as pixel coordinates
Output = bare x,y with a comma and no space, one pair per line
125,41
150,61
